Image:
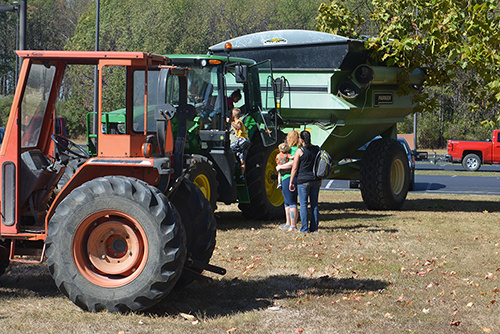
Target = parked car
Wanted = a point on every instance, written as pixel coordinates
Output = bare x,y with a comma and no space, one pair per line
472,154
411,160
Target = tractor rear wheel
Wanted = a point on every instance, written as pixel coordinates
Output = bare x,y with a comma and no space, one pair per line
385,175
266,201
205,177
200,227
116,244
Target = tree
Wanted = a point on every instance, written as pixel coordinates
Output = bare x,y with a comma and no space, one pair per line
451,39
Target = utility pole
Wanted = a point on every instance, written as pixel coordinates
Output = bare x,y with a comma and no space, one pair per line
21,8
96,76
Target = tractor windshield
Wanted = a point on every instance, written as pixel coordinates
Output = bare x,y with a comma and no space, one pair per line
34,104
206,93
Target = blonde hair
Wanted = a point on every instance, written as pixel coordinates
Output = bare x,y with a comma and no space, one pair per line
237,112
284,148
292,139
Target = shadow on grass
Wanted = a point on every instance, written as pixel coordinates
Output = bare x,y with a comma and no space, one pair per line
22,280
450,205
211,298
227,297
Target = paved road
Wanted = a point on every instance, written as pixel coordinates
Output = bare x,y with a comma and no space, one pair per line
442,184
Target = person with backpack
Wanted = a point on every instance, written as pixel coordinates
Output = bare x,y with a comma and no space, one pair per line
308,183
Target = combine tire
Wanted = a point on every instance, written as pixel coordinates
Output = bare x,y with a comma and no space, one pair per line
116,244
200,226
385,175
204,176
471,162
266,201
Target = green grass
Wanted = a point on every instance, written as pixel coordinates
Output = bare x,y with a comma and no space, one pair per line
431,267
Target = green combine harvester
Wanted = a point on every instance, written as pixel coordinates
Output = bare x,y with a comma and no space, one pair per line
344,102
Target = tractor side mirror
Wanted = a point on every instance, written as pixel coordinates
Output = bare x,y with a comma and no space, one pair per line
241,72
279,88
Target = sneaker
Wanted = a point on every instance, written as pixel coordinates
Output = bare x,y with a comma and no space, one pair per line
292,228
285,227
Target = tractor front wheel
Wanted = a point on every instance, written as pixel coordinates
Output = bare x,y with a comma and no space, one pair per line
385,175
204,176
116,244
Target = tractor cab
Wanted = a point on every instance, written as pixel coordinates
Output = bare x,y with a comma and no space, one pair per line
34,153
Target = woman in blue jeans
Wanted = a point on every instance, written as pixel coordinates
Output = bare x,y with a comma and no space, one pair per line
307,183
293,141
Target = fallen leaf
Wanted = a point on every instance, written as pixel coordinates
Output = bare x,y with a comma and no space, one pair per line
231,330
299,330
426,310
189,317
486,329
470,304
388,315
454,323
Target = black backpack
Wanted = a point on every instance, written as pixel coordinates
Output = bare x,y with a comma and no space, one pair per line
323,164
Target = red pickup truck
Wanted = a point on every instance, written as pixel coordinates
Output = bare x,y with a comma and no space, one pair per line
474,153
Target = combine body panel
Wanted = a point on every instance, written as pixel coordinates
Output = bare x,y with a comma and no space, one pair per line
112,235
333,93
472,154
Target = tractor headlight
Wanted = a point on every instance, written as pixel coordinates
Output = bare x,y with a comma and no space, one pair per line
121,128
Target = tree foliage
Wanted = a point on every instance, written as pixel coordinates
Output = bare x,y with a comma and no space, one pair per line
158,26
456,41
175,26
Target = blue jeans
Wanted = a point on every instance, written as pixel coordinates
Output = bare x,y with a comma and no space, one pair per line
309,191
290,197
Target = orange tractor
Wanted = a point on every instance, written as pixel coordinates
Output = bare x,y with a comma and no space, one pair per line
127,227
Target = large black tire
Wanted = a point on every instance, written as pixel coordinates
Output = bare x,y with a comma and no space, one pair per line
200,226
266,201
471,162
384,175
116,244
204,176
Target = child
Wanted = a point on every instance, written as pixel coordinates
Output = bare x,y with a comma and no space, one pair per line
241,146
282,158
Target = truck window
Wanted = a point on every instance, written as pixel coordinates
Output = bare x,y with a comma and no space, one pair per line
34,103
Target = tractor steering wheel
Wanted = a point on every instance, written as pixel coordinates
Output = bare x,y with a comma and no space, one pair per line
67,147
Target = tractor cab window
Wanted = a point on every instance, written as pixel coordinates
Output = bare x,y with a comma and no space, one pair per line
235,96
34,103
162,88
154,97
114,101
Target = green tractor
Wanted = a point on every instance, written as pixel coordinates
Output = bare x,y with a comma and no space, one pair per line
212,80
344,102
